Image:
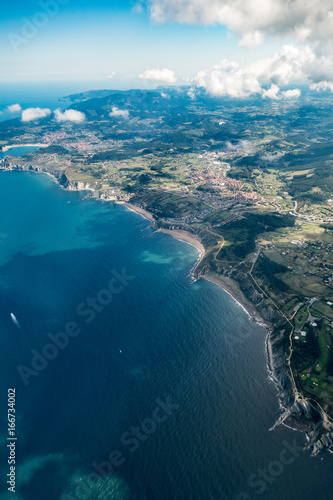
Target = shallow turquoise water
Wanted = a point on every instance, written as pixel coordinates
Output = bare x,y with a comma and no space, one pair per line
18,151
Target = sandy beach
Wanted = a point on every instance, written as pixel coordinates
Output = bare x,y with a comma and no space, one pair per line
138,210
223,283
182,235
6,148
236,295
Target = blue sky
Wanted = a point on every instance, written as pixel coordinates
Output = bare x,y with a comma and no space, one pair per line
87,40
235,48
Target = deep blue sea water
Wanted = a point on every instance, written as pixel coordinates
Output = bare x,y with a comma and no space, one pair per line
163,339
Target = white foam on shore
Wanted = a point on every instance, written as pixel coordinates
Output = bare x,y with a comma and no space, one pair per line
253,318
135,212
127,205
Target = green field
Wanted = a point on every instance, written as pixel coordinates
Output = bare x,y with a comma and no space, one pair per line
300,317
321,308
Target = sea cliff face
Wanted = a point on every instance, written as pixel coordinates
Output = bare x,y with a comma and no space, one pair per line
10,164
71,185
60,176
297,412
266,311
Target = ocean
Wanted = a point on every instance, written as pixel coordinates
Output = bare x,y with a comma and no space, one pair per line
132,381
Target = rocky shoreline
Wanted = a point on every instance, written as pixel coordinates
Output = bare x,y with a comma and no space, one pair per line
297,413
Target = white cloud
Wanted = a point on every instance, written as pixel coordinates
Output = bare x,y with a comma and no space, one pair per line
269,157
285,66
14,108
292,94
240,146
228,78
306,20
191,93
160,75
251,40
119,113
272,92
165,96
111,76
289,65
31,114
138,7
309,22
322,86
70,115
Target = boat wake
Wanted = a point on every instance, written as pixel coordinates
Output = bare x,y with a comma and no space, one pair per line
14,319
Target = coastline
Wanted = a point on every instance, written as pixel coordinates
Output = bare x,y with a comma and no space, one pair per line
236,295
190,239
6,148
193,240
182,235
229,288
138,210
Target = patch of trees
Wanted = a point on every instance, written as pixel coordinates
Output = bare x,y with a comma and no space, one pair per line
241,173
269,269
51,150
242,233
329,366
301,186
144,179
305,354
